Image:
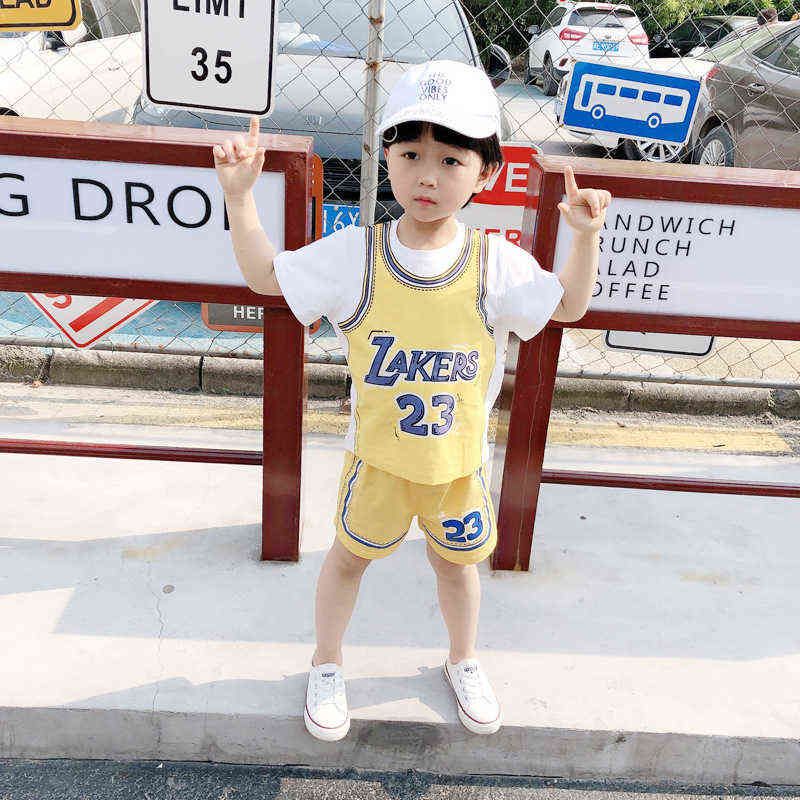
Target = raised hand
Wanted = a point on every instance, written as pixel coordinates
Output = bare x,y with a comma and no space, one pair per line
585,209
238,161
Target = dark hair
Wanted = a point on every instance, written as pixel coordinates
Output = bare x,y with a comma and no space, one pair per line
488,149
765,15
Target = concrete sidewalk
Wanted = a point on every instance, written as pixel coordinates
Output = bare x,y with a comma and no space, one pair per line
655,639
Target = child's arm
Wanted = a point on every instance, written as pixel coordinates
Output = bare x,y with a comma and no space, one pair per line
238,163
585,212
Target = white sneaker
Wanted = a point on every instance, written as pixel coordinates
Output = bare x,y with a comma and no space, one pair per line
478,708
326,715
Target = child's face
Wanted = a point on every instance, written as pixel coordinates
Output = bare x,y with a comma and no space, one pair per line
446,174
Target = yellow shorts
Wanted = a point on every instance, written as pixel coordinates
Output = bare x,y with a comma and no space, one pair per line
376,508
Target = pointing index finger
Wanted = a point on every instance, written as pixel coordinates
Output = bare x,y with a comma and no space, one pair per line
254,131
570,184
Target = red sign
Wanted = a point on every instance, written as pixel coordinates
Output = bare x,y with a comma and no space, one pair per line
500,206
85,320
507,188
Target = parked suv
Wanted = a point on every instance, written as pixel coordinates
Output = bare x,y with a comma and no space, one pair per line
320,76
604,32
749,112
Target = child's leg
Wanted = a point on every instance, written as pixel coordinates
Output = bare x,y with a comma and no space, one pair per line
459,589
337,589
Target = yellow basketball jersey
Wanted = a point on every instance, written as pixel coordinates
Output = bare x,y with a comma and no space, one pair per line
421,353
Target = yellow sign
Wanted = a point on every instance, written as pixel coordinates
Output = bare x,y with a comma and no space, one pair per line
39,15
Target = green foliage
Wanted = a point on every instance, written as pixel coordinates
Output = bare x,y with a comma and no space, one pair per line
504,21
666,14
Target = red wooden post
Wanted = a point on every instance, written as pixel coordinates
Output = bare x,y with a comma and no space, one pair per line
284,340
527,435
284,387
531,402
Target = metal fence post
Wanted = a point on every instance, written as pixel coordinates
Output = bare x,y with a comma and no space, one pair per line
370,150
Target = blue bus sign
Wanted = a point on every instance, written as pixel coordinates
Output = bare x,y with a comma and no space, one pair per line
635,103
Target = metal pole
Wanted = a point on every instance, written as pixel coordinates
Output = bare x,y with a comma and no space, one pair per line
370,148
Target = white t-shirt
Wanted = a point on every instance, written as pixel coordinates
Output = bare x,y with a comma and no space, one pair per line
324,279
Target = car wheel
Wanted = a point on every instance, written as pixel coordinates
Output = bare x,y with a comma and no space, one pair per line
655,152
549,80
715,148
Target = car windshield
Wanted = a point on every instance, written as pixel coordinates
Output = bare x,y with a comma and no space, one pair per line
735,43
598,18
415,30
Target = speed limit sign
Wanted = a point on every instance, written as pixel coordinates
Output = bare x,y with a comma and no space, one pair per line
212,55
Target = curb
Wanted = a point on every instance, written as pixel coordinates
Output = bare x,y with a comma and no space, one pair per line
128,734
245,377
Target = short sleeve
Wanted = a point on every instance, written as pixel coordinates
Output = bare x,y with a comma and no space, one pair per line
521,295
317,280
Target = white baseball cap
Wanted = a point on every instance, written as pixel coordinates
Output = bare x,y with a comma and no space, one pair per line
449,93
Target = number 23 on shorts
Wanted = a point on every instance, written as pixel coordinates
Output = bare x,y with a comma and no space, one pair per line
458,528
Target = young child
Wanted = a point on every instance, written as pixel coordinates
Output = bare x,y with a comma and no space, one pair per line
422,307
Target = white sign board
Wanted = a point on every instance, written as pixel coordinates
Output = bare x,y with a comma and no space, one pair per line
695,259
109,219
213,55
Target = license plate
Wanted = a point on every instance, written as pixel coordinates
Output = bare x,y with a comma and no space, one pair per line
336,216
606,47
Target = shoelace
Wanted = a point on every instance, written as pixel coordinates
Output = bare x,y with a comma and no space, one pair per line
325,688
471,683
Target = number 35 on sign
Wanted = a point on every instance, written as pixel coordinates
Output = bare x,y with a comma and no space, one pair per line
210,55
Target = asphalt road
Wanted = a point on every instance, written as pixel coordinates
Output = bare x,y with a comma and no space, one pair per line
110,780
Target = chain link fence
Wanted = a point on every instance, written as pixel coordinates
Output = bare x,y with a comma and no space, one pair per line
528,48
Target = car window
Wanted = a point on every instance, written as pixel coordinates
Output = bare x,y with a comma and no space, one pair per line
122,17
716,34
11,34
768,50
414,31
749,40
595,17
553,18
707,27
90,21
103,18
686,30
789,57
738,33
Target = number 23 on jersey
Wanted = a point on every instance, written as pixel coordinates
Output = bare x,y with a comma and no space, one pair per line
412,422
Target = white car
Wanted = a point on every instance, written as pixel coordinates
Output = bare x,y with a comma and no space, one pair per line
639,149
83,74
606,33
